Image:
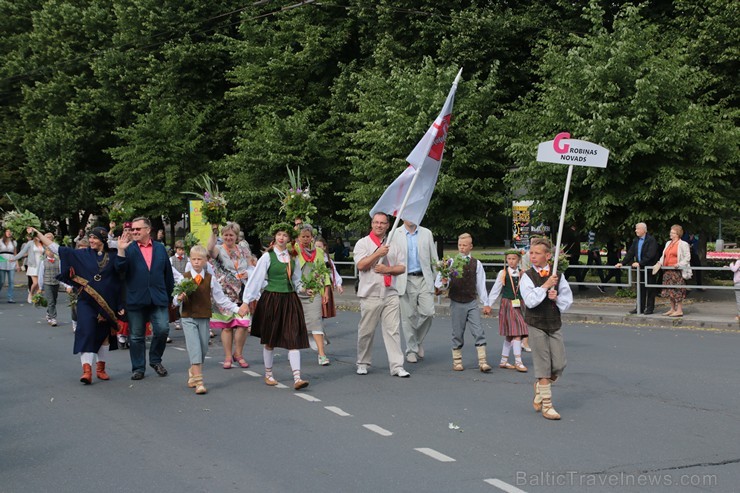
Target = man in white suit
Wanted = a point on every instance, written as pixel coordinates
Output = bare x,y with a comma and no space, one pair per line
416,286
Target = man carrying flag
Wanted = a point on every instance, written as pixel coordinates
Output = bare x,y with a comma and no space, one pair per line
380,260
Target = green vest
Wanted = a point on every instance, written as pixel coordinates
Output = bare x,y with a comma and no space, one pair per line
508,291
278,280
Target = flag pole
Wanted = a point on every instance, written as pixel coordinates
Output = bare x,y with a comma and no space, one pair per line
562,220
403,206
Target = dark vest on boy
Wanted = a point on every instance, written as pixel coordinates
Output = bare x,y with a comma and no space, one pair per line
546,315
51,271
463,289
198,304
178,264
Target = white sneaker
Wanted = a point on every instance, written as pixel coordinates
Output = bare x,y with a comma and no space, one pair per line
402,373
53,322
411,358
362,369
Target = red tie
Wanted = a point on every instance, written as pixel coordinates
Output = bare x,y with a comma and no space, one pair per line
179,258
198,279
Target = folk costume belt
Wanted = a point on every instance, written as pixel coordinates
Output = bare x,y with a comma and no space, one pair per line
85,286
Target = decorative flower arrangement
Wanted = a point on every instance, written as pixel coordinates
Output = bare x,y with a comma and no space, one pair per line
451,267
187,286
214,203
190,241
563,262
17,222
119,213
315,280
39,301
296,202
67,241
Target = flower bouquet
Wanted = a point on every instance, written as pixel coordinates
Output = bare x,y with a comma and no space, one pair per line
187,287
39,301
190,241
563,262
214,203
451,267
17,222
315,280
296,202
119,213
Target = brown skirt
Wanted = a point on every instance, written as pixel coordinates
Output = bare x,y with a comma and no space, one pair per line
278,321
673,278
329,310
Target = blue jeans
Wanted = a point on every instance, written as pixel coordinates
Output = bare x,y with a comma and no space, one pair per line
137,319
10,276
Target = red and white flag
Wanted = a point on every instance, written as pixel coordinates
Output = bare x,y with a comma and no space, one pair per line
409,195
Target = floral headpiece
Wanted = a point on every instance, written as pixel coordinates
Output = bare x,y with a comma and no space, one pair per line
513,251
296,202
285,227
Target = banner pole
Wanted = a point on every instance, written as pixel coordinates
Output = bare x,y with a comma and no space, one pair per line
403,206
562,221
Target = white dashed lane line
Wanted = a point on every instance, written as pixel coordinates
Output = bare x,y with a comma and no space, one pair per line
251,373
503,486
337,411
178,348
377,429
307,397
435,455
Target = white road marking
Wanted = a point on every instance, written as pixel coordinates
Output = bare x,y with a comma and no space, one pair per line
336,410
377,429
307,397
281,386
178,348
251,373
503,486
435,455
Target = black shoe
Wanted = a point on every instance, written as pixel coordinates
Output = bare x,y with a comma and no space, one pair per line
649,311
11,301
138,375
633,311
601,289
161,370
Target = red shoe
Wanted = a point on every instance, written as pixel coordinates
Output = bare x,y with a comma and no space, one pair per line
86,377
100,371
240,361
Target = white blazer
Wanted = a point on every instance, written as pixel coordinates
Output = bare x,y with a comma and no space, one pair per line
684,258
427,256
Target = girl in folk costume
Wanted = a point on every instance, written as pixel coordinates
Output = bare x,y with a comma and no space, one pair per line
278,318
511,323
33,250
309,258
329,310
92,274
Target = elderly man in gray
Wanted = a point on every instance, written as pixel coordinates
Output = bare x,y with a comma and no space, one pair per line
416,286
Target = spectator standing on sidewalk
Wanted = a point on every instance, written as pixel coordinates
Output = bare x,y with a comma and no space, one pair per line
642,253
735,266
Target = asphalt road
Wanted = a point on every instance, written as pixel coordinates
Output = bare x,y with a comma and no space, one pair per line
643,410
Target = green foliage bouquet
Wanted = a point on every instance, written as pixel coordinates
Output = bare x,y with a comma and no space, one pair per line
190,241
315,280
563,262
214,203
17,222
187,287
296,202
39,301
451,267
119,213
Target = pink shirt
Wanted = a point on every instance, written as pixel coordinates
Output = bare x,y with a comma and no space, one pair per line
146,251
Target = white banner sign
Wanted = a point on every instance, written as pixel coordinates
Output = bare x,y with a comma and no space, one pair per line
564,150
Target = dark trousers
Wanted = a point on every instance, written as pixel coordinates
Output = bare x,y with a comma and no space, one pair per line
647,295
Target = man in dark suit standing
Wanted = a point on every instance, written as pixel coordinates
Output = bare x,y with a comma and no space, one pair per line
643,252
149,284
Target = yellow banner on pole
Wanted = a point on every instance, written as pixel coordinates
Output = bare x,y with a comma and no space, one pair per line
201,230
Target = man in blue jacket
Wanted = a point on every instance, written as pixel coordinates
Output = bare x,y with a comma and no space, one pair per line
149,284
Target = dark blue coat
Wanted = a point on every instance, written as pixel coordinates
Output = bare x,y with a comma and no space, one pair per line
146,287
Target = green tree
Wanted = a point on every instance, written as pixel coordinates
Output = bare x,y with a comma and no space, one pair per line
674,156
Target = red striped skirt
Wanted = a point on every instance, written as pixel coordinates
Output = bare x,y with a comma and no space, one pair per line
511,321
278,321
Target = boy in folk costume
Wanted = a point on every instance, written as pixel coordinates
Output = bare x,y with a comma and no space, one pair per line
511,322
464,293
545,303
196,314
179,263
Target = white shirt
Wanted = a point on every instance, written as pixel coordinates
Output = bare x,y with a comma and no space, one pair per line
258,279
217,294
480,281
533,296
498,286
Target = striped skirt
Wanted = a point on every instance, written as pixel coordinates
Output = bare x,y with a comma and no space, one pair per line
511,321
673,278
278,321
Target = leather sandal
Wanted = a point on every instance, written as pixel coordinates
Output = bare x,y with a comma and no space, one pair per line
507,366
520,367
191,379
270,381
227,365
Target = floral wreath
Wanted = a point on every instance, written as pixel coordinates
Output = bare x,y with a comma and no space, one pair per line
296,201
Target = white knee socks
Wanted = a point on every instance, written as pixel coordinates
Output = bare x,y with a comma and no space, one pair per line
517,343
267,358
103,353
294,356
505,351
87,358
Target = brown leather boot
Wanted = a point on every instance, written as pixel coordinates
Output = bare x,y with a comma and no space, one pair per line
100,371
86,377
